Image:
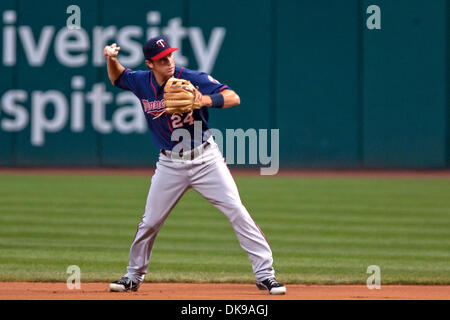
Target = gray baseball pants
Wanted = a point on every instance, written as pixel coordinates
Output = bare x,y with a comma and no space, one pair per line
209,175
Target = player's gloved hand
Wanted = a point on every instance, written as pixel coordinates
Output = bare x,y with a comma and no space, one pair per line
111,51
180,96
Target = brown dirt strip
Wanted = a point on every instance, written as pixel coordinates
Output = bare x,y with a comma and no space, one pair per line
296,173
218,291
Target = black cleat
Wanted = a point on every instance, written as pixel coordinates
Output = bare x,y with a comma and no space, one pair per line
124,284
272,285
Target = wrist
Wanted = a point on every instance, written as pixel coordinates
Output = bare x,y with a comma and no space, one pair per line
112,59
217,100
206,101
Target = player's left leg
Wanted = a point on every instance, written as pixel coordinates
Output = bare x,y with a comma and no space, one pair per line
214,182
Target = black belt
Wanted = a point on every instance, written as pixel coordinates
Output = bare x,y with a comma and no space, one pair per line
190,152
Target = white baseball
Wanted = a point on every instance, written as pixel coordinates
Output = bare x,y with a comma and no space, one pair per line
111,51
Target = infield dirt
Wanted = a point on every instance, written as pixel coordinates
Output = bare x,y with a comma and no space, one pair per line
218,291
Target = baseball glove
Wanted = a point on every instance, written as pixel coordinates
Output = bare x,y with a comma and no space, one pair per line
180,96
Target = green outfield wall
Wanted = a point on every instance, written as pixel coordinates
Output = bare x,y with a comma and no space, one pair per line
347,86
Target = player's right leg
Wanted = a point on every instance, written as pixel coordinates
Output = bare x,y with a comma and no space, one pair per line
167,186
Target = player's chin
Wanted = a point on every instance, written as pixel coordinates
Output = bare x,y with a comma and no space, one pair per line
171,71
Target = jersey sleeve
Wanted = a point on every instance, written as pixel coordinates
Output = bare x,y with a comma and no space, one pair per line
206,84
127,80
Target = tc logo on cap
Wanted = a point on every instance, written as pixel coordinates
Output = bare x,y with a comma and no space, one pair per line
157,48
161,43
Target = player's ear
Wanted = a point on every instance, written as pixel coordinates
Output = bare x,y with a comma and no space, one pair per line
149,63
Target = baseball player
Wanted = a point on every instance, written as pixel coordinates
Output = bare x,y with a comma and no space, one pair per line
175,98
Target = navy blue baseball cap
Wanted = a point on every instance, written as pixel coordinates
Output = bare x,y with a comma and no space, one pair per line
156,48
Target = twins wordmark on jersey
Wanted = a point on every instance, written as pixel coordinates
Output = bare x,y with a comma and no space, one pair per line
151,95
155,108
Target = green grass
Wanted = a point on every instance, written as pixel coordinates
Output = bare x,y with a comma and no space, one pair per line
321,230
